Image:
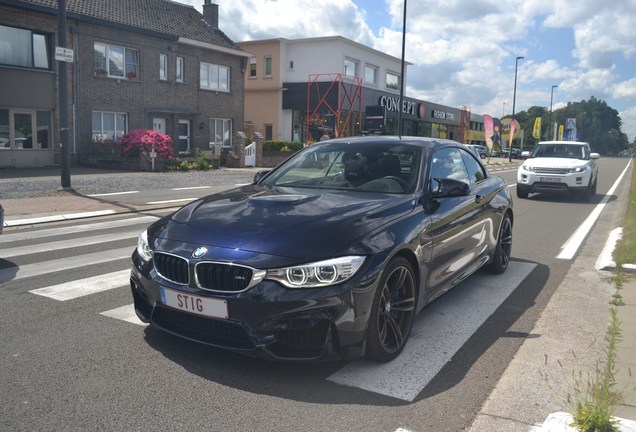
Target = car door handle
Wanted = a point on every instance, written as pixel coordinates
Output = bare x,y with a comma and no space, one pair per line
478,198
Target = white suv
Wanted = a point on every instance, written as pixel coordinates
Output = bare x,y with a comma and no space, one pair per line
559,166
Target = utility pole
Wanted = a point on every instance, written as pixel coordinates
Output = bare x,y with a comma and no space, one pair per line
551,95
514,97
63,99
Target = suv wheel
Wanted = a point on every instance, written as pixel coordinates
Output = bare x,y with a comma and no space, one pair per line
521,192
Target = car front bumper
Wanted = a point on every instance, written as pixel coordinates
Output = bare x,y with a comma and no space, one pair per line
267,321
531,182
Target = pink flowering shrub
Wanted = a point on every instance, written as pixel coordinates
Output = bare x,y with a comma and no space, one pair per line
142,140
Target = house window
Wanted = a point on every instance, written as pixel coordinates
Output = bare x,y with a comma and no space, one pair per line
371,75
221,132
392,81
17,126
253,67
269,132
215,77
115,61
268,66
109,126
350,67
163,67
179,74
23,48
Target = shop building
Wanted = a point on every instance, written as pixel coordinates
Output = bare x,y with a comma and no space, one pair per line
300,90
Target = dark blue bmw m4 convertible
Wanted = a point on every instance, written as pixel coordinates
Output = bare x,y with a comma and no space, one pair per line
330,255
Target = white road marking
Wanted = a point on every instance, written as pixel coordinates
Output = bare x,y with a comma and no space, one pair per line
193,187
124,313
570,247
67,244
439,331
84,228
45,267
171,201
83,287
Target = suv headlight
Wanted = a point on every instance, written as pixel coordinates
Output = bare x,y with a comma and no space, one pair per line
527,168
578,169
318,274
143,248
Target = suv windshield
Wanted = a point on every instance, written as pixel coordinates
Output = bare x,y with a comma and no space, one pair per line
573,151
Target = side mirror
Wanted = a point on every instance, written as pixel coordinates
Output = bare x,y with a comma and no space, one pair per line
595,156
446,187
525,154
260,175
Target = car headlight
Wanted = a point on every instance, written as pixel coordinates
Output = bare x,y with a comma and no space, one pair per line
527,168
318,274
143,248
578,169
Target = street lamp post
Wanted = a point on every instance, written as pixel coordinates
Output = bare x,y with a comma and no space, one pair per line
514,97
551,95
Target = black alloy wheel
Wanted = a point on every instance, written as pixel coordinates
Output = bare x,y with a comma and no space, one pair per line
392,312
501,257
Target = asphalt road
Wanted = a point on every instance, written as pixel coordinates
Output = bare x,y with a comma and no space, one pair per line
74,359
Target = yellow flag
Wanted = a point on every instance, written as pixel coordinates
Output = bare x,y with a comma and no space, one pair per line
536,131
560,132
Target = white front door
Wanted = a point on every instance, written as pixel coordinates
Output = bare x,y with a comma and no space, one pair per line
159,124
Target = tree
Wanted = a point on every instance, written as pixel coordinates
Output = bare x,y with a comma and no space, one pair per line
596,123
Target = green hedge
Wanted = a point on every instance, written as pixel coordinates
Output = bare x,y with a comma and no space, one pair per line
282,146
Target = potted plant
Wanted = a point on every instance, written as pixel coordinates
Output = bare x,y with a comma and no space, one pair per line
101,73
132,76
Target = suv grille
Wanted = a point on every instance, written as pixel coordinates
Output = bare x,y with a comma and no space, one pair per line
551,170
171,267
222,277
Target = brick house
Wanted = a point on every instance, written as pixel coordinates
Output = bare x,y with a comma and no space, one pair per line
138,64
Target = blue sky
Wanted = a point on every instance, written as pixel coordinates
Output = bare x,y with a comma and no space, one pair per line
463,51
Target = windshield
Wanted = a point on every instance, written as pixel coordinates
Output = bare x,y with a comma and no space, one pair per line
573,151
363,166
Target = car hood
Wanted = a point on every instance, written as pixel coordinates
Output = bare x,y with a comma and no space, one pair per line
554,162
299,223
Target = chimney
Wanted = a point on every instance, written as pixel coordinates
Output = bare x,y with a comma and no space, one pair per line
211,13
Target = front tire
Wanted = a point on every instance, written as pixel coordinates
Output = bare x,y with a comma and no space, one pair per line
392,312
503,250
521,193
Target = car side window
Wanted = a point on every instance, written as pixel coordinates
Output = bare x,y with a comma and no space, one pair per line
476,172
448,163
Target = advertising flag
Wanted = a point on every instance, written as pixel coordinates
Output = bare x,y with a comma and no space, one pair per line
513,128
488,130
536,131
560,132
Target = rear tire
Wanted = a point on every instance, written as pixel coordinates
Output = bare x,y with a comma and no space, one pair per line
503,250
392,312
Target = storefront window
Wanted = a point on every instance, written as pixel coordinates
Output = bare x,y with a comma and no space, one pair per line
5,143
44,129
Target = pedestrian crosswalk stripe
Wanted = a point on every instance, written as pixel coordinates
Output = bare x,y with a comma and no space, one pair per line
84,287
83,228
67,244
124,313
45,267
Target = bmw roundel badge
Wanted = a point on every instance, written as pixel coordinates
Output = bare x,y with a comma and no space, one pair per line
199,252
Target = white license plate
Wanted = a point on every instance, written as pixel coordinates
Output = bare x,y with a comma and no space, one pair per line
198,305
551,179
